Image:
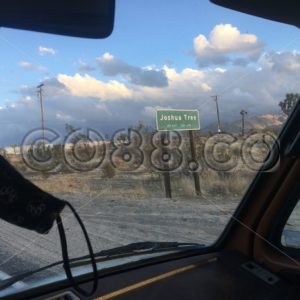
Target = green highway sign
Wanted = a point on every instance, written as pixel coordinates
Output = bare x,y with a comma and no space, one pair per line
177,119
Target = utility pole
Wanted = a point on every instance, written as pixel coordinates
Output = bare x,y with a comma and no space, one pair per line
40,95
218,114
243,113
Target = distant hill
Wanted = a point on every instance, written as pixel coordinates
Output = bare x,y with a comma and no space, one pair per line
256,123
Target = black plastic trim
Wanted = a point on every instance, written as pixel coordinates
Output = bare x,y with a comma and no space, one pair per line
278,225
59,286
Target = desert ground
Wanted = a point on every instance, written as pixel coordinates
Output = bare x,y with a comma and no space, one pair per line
119,211
119,208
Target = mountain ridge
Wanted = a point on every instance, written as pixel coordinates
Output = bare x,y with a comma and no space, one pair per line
256,123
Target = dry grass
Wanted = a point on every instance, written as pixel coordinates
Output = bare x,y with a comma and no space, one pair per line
93,183
233,184
107,181
225,183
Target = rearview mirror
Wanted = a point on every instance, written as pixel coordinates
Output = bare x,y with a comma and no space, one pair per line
80,18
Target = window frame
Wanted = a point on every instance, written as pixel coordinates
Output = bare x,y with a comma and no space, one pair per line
275,235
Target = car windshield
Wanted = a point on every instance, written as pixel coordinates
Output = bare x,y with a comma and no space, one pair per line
153,134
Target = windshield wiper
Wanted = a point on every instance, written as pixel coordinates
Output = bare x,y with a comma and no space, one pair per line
104,255
143,247
137,249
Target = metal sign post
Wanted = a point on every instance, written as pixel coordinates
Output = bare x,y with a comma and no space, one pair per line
194,160
166,174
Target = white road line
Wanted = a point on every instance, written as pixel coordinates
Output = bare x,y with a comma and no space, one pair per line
4,276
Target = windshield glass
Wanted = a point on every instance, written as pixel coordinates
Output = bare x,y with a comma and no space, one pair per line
153,134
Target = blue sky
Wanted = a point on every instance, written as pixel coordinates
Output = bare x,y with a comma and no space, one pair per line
151,60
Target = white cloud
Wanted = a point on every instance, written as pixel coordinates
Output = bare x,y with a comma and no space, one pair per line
107,57
220,70
282,61
147,76
225,40
85,67
185,84
83,100
63,116
88,86
150,111
44,50
31,67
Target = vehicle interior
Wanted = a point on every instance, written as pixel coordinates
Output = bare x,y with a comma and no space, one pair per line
249,260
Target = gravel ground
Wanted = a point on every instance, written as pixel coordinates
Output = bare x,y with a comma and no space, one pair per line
115,221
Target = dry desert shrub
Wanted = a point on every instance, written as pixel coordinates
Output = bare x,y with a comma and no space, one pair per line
225,183
108,171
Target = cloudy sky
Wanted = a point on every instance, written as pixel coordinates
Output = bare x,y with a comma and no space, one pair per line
162,54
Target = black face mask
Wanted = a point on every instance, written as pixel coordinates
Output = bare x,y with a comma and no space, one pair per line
25,205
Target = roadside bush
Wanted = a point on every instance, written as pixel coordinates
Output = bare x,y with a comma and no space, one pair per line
108,171
225,183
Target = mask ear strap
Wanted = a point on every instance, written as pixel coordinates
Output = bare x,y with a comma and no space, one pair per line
65,254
